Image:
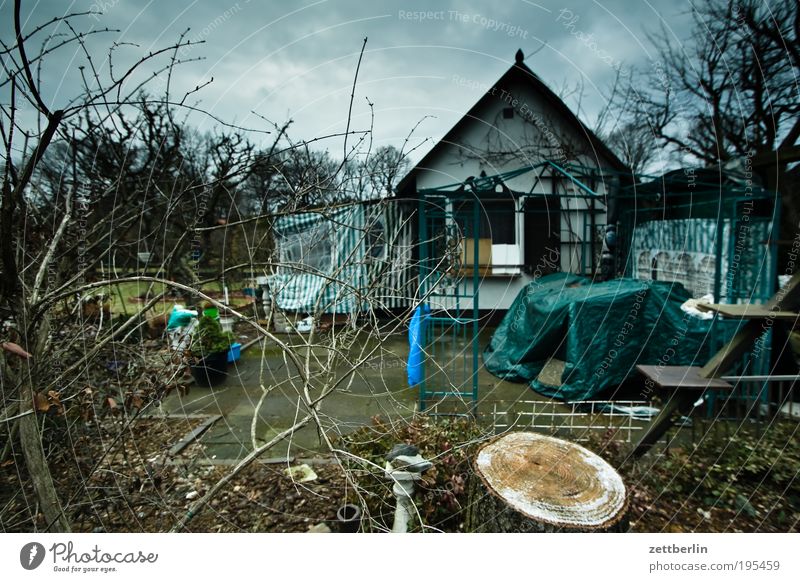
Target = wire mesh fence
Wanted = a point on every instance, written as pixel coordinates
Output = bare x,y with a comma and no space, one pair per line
574,420
754,404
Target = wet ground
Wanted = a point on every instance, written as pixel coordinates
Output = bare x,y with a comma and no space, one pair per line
378,388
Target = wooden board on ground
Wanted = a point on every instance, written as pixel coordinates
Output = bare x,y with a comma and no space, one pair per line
532,482
551,373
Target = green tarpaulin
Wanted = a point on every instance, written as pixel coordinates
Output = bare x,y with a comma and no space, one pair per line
600,330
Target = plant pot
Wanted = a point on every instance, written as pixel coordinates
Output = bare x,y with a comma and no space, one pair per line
235,353
211,370
349,518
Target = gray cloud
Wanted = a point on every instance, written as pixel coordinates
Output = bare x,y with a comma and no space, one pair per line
297,60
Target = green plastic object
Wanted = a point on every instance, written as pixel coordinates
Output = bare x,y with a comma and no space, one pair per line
600,330
180,317
211,312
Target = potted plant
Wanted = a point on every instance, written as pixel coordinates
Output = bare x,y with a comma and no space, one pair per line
209,350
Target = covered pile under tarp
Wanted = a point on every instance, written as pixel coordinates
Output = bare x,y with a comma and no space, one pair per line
600,330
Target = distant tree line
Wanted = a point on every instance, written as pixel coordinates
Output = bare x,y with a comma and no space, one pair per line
152,178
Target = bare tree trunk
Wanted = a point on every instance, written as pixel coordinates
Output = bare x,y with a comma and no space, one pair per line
13,431
526,482
30,439
31,442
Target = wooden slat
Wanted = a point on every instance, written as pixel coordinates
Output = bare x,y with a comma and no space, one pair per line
662,422
785,299
730,353
193,435
682,377
683,382
748,311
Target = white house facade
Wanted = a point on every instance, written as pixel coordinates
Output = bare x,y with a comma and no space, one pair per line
541,177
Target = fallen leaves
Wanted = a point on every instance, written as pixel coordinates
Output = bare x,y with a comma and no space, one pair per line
16,349
134,400
48,404
40,403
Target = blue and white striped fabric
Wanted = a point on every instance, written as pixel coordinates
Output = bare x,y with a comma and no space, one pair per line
343,260
684,251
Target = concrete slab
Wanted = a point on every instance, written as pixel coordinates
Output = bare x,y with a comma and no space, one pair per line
379,387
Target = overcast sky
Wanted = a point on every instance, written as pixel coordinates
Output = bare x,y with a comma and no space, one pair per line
296,60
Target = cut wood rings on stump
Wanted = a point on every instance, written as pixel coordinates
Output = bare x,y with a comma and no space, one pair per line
532,482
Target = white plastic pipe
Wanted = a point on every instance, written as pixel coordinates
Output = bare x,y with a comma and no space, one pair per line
404,508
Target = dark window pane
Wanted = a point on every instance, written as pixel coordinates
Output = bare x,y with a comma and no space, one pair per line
497,220
502,227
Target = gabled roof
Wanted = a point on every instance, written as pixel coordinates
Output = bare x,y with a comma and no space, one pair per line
519,71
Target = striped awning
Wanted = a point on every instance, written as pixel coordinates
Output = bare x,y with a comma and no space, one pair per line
344,260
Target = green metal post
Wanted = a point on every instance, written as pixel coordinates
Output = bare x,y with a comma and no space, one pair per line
423,277
718,254
476,220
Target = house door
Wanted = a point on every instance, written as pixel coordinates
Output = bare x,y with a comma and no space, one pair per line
542,228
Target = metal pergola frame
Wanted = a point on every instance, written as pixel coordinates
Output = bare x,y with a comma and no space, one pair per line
446,327
574,173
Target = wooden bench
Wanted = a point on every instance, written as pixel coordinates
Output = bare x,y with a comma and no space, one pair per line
687,383
682,386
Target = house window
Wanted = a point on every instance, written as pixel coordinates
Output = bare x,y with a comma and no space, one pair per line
498,222
496,231
508,113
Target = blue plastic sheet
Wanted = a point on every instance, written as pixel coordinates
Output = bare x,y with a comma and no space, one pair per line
416,338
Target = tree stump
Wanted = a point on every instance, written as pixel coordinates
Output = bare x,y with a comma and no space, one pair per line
527,482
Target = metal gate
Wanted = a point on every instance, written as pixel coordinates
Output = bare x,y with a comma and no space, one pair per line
450,271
